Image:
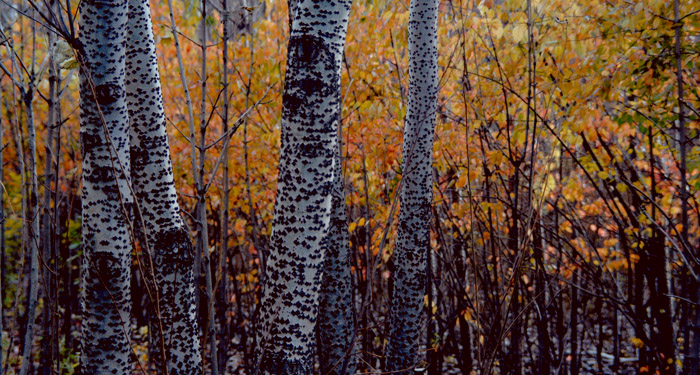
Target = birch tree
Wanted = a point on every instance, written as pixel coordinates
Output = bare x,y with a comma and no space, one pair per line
413,237
309,143
174,331
106,198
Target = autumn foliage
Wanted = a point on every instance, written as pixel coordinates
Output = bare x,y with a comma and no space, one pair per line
560,243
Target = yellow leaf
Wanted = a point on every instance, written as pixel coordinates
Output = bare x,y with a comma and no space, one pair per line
580,49
462,181
637,342
520,33
496,157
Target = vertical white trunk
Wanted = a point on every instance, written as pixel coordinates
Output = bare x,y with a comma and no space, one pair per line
291,288
413,238
174,331
106,197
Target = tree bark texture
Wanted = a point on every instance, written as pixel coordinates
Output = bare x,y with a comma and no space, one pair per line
291,289
413,237
32,244
175,331
106,197
336,322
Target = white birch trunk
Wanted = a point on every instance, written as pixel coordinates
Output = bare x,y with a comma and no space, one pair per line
106,198
294,268
174,331
413,238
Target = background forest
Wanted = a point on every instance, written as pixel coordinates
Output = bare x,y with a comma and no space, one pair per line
565,233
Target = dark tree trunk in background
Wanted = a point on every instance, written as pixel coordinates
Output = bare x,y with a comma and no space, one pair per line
336,321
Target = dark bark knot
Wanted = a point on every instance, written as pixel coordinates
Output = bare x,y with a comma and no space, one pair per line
173,247
139,157
108,93
305,50
309,58
105,267
89,142
276,363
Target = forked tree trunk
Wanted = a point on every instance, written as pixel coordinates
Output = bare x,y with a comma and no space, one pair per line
413,238
174,329
291,289
106,198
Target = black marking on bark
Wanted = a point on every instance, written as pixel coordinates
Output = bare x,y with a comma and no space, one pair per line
174,247
108,93
292,101
139,157
104,266
276,363
89,142
97,174
310,85
305,50
105,3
